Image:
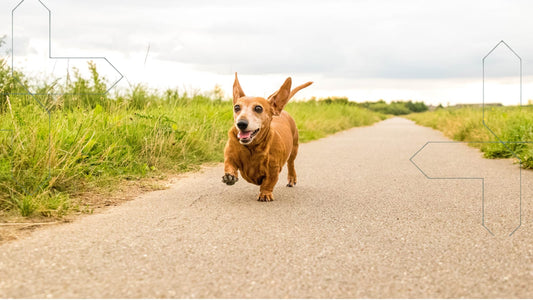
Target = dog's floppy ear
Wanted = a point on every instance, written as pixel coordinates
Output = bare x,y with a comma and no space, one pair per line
280,97
296,89
237,90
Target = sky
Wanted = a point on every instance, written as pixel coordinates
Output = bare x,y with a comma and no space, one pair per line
428,51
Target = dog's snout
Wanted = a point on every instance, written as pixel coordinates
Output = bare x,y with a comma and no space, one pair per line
242,124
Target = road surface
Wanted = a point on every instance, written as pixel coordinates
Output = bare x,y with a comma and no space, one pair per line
362,221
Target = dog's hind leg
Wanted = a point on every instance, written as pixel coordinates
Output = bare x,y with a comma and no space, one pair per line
290,166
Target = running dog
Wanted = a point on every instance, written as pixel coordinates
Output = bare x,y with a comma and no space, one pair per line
262,140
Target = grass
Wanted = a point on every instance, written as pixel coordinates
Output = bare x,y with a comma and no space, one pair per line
91,142
317,119
466,124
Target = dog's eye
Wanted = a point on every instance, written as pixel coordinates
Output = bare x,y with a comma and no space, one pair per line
236,108
258,109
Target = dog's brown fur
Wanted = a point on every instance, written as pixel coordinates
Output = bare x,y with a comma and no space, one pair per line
260,160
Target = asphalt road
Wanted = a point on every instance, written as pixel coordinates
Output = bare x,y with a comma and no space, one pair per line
362,221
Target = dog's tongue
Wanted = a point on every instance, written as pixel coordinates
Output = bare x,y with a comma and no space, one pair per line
244,135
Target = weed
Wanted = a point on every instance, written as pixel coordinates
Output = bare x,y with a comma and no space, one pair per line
513,124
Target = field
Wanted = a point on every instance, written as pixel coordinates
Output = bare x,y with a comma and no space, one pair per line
90,141
513,124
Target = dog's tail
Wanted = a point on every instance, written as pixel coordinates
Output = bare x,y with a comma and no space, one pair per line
296,89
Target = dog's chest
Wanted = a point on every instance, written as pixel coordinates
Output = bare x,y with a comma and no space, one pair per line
254,168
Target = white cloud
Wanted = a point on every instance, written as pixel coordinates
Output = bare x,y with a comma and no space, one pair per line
371,42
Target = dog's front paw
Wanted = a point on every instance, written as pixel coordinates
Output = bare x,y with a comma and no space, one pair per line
229,179
292,182
265,197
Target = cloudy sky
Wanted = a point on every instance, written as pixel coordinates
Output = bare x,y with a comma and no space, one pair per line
366,50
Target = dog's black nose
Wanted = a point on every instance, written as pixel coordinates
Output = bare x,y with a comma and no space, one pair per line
242,124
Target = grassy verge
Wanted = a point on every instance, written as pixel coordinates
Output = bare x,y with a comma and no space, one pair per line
98,143
465,124
317,119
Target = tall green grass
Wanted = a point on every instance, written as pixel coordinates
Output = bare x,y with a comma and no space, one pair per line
466,124
317,119
91,148
92,141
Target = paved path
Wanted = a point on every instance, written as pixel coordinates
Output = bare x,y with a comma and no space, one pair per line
362,222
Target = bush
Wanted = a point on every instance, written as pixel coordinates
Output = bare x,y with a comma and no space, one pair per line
395,107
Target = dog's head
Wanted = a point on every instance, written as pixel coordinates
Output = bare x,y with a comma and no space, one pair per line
252,115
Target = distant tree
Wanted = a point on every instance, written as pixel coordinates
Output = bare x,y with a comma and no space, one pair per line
416,106
395,107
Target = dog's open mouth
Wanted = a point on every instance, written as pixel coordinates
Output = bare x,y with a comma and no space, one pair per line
246,137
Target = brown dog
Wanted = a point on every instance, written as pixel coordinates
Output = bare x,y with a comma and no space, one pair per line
263,139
